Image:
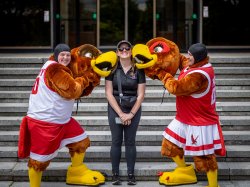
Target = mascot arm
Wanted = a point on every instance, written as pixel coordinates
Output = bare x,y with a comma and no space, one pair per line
162,75
183,62
94,80
191,84
60,79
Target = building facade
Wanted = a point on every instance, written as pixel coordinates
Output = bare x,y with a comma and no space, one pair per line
41,24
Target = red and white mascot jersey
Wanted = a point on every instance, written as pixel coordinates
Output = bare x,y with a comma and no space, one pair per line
48,121
196,126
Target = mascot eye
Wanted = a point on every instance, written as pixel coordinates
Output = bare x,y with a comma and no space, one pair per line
89,55
88,51
159,47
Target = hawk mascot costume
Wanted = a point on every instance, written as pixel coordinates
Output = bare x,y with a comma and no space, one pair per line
196,130
49,126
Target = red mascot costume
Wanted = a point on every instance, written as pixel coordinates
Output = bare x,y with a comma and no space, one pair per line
196,130
48,125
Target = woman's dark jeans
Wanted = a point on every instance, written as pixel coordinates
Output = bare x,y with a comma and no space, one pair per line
117,139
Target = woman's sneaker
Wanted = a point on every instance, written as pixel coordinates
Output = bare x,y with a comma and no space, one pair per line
131,179
116,179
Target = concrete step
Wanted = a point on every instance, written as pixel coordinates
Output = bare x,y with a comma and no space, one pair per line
147,183
31,72
221,84
10,138
23,59
148,108
235,153
151,95
147,123
27,59
56,171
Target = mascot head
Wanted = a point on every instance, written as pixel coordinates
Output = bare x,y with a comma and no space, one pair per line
87,58
90,62
164,55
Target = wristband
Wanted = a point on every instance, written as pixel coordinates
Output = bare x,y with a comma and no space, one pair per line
132,113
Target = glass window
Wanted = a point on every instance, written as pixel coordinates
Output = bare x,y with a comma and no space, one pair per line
25,23
78,22
226,22
174,21
115,24
140,21
112,26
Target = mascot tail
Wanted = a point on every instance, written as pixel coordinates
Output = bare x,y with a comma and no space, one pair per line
24,139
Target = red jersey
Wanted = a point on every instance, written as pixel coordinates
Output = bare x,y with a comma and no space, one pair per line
198,109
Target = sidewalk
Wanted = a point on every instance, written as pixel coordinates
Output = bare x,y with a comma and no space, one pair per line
139,184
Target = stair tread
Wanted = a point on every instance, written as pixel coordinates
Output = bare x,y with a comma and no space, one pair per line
100,134
150,83
147,183
142,168
18,118
241,148
154,104
102,91
146,121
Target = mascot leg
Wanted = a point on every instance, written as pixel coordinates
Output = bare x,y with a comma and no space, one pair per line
183,174
180,162
78,173
35,177
212,178
209,165
35,171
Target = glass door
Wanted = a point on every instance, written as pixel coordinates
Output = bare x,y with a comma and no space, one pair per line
176,20
124,19
77,22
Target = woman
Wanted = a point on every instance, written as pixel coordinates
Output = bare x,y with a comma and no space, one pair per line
133,83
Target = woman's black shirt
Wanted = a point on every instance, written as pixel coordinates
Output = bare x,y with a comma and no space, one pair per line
129,81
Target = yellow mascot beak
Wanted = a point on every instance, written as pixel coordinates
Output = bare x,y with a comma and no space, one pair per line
104,64
142,56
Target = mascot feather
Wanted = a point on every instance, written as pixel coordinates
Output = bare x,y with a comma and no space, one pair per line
196,130
48,125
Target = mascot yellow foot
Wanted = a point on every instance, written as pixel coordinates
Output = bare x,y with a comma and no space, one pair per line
181,175
212,178
81,175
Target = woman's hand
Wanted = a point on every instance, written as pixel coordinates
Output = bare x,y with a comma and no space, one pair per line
128,122
126,118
